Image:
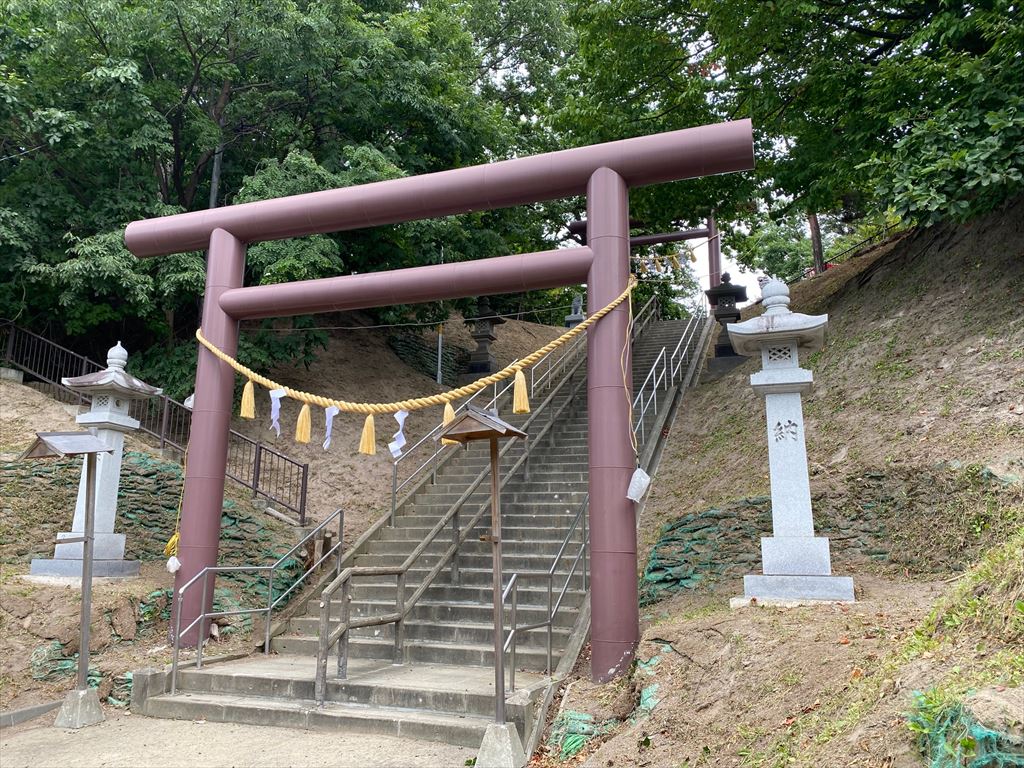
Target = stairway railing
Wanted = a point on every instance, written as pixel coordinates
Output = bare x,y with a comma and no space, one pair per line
203,577
328,638
549,366
511,640
664,372
265,471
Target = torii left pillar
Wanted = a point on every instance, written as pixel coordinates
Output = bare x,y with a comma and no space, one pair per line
211,422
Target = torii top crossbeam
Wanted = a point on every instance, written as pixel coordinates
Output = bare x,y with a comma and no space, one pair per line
604,172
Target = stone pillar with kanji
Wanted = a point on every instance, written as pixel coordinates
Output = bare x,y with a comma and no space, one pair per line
796,564
112,391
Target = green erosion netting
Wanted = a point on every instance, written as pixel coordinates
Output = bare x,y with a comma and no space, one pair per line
49,663
571,731
147,511
703,544
950,738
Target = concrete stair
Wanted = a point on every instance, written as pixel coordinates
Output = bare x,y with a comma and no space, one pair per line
442,686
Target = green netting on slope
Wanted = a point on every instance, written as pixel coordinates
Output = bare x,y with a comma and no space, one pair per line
951,738
571,731
49,663
708,543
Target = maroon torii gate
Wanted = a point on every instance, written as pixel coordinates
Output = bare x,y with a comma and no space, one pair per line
604,172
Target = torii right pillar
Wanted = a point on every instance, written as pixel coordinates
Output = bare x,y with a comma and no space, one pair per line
796,564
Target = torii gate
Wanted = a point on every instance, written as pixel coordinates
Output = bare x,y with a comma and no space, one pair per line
604,172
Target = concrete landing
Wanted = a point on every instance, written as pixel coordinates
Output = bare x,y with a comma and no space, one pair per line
451,704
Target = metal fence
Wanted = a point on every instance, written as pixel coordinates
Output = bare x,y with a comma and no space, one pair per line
266,472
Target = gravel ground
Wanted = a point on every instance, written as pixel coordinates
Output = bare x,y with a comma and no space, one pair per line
143,742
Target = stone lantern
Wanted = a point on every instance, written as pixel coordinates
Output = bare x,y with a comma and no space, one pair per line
482,360
723,299
112,390
796,564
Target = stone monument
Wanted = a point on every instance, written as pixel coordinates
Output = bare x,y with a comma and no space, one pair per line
112,390
796,564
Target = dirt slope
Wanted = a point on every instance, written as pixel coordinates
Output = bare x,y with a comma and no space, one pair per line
915,436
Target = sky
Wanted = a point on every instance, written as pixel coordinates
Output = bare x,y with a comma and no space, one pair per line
749,279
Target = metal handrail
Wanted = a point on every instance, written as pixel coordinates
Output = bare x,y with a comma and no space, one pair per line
670,366
327,638
163,418
272,603
648,312
512,639
434,460
680,353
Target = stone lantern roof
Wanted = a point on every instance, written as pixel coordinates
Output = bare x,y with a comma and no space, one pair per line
114,380
778,325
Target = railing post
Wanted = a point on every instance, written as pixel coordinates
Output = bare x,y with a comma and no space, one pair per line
515,639
343,640
394,491
455,543
400,624
270,607
257,460
9,348
323,651
302,494
163,420
177,643
551,620
201,637
341,541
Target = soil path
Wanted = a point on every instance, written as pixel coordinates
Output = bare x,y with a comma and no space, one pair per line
142,742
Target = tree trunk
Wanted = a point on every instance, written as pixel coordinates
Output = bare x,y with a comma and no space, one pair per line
816,249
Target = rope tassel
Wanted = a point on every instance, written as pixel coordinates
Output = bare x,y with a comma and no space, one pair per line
304,425
368,442
449,416
520,399
248,409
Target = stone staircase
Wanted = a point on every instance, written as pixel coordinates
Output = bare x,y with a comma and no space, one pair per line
443,686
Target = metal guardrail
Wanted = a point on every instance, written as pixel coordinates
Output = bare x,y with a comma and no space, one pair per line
262,469
328,638
512,588
846,253
664,372
202,577
550,365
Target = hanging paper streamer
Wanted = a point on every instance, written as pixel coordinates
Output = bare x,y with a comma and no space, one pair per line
329,413
275,409
398,440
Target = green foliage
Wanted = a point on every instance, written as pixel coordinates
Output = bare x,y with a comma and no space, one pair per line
112,111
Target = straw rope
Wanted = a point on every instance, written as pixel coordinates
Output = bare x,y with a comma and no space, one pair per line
418,403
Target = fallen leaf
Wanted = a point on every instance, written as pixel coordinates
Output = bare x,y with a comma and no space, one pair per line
857,673
844,640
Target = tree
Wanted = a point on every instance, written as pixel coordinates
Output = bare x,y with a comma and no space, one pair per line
113,111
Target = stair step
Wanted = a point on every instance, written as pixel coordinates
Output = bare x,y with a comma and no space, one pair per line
431,688
461,730
432,633
442,590
532,659
481,560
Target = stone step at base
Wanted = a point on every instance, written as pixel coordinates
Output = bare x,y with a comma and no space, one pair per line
460,730
531,659
439,689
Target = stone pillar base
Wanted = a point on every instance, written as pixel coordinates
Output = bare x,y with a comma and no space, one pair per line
501,748
80,708
790,588
105,546
69,568
795,556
